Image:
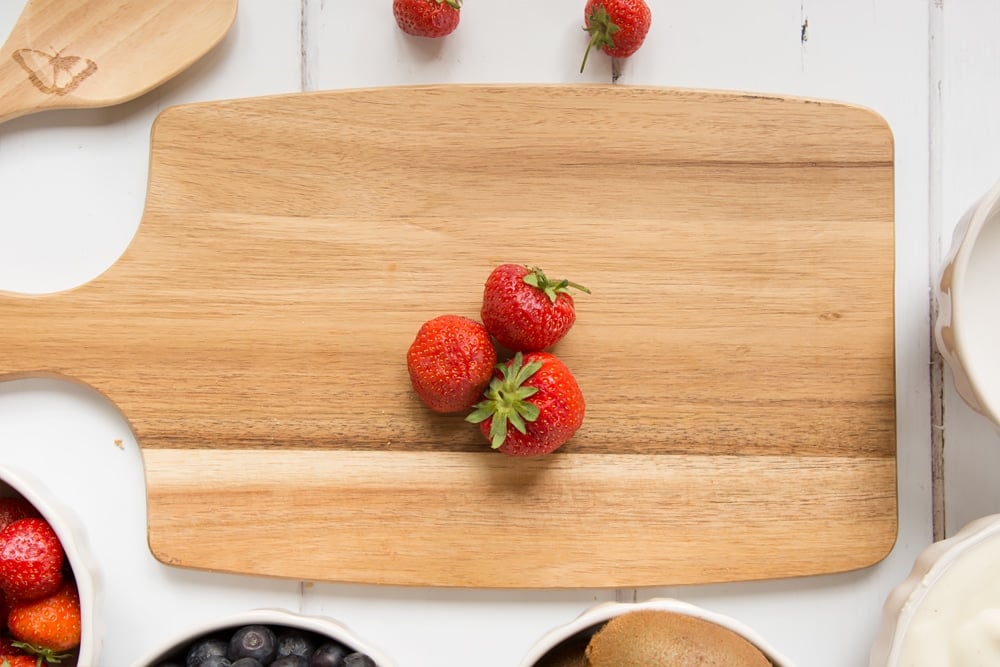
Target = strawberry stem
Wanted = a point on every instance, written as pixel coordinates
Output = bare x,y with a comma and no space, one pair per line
601,29
506,400
537,278
48,655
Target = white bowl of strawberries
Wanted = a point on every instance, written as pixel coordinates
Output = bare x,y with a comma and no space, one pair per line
47,579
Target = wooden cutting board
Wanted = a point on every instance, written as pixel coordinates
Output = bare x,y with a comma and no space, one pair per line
736,353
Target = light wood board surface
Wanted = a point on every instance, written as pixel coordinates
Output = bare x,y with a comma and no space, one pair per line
736,352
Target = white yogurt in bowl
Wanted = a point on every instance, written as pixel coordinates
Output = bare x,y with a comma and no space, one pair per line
947,611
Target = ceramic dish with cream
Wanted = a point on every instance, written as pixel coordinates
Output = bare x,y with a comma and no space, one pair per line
317,630
600,636
15,482
968,320
946,613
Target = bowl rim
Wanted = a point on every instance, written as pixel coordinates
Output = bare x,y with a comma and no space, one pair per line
607,610
930,565
69,529
967,236
321,624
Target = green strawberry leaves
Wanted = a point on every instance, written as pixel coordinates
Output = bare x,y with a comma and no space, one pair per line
537,279
47,655
602,30
506,400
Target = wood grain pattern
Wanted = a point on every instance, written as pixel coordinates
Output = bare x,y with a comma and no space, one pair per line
92,53
736,354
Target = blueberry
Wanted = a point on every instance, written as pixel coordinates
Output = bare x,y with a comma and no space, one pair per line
295,642
247,662
291,661
330,654
214,661
203,649
358,660
253,641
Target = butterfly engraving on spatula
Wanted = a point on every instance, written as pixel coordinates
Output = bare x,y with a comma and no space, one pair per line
54,74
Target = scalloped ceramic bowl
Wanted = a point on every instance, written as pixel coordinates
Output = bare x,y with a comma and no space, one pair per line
592,619
946,613
14,481
968,320
277,617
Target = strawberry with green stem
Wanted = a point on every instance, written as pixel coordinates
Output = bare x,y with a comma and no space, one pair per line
525,310
427,18
49,627
533,405
617,27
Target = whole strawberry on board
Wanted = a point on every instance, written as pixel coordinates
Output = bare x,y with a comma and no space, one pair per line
427,18
617,27
31,560
525,310
450,362
533,406
48,627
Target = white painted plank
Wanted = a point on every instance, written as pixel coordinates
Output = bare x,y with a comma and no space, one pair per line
970,165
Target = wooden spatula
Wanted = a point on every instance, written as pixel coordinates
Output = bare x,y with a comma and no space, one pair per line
78,54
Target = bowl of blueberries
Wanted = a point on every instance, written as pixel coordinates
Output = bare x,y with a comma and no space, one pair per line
267,638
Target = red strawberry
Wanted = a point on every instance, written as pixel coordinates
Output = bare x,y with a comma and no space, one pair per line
31,560
20,660
427,18
450,362
14,508
617,27
7,647
524,310
536,394
13,656
50,625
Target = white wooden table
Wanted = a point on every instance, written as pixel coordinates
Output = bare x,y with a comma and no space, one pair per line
72,194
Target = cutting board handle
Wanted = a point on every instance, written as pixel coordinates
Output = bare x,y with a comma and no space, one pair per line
51,335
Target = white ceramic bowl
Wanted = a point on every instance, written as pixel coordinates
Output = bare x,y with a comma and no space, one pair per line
68,528
319,624
947,610
968,320
591,619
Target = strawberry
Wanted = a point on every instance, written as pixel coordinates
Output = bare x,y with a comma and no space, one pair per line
536,394
14,508
617,27
524,310
7,647
450,362
13,656
50,625
31,560
20,660
427,18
